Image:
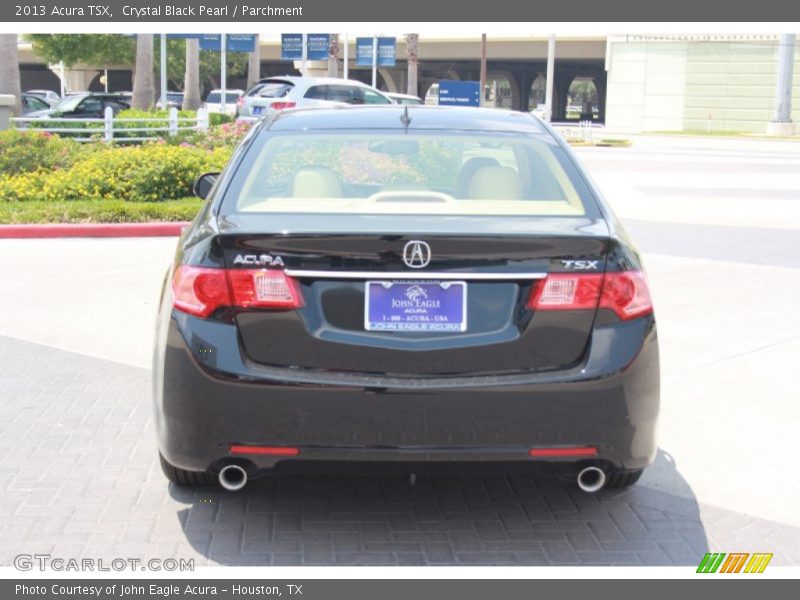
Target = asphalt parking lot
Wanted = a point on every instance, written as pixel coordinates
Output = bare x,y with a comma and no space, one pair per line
718,221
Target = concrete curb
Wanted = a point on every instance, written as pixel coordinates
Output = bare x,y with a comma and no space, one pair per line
104,230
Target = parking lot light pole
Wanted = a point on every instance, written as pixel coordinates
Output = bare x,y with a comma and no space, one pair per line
483,71
163,71
551,61
374,60
346,57
304,68
223,69
781,123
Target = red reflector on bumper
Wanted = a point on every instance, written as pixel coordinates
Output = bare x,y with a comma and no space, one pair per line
271,450
559,452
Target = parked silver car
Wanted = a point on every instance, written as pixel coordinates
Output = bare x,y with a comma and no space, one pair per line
32,103
278,93
49,96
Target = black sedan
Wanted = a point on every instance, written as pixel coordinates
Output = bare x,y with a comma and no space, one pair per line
405,284
84,105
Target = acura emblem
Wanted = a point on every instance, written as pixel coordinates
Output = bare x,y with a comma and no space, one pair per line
416,254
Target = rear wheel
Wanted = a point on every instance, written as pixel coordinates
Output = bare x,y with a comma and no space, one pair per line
183,477
622,479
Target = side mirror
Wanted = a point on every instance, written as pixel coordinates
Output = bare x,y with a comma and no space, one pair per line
203,184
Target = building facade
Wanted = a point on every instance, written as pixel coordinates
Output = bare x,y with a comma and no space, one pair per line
694,83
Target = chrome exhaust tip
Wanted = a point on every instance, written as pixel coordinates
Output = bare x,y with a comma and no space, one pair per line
591,479
232,478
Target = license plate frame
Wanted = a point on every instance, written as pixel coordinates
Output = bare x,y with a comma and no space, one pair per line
417,310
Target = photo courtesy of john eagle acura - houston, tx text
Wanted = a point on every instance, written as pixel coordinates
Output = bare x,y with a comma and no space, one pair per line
405,284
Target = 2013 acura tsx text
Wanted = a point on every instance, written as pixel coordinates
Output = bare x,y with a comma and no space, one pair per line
405,284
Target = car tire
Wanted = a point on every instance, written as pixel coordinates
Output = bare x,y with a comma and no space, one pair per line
183,477
622,479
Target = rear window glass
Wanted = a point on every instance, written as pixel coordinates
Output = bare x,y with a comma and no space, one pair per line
371,97
415,173
317,92
345,93
272,89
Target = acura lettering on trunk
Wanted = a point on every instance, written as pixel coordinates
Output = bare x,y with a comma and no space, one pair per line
404,284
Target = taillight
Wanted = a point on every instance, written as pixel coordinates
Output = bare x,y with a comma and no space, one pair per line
240,101
200,291
566,292
262,288
284,104
625,292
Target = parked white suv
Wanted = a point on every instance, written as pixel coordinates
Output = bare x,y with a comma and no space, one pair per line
278,93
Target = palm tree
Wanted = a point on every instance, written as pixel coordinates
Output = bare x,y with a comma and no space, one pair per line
333,56
191,79
412,50
144,93
254,64
9,68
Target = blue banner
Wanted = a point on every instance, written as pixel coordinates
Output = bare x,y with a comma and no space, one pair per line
459,93
235,42
291,46
318,45
241,42
209,41
387,51
364,52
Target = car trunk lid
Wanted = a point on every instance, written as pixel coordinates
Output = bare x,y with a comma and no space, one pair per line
351,283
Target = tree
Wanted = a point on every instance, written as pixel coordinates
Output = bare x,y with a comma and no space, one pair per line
191,80
9,68
254,64
143,85
209,64
103,50
412,52
333,56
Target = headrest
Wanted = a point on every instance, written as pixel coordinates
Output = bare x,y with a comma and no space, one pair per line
316,182
495,183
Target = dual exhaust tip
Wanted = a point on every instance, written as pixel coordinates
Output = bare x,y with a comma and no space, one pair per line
232,477
590,479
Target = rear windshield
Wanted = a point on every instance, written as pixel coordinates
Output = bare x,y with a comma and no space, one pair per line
215,97
271,89
416,173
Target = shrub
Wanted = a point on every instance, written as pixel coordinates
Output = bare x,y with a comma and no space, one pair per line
145,121
150,172
27,151
227,135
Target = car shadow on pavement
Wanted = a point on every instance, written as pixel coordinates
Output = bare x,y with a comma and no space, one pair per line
461,514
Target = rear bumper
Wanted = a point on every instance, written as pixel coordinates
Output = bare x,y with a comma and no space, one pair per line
208,396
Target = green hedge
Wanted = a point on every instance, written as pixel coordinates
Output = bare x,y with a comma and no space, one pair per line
98,211
149,172
41,167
